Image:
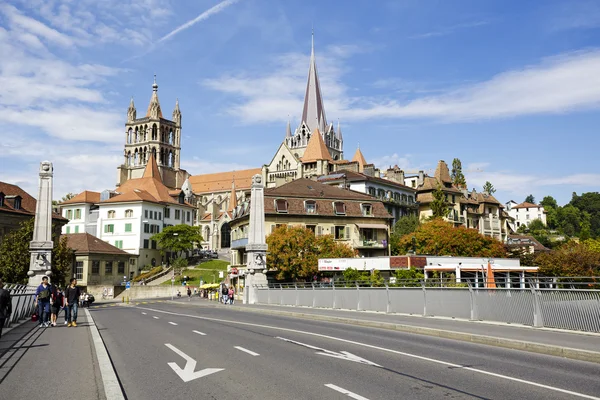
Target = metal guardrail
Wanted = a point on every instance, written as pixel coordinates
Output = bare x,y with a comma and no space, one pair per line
563,303
23,302
159,275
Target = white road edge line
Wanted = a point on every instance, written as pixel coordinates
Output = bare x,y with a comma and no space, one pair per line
246,351
112,388
172,323
346,392
200,333
370,346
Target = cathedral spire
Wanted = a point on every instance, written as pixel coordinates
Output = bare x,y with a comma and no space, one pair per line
131,112
288,130
154,110
339,132
177,113
313,113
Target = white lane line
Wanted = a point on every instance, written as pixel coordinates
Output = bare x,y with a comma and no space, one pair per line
155,317
346,392
112,389
246,351
144,313
172,323
370,346
200,333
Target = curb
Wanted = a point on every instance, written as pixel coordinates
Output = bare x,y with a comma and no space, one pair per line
566,352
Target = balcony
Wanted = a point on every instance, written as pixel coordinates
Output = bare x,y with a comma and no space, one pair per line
369,244
239,243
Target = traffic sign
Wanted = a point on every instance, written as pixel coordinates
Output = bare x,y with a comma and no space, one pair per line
128,285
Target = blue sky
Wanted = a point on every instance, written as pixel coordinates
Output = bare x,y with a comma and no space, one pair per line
512,88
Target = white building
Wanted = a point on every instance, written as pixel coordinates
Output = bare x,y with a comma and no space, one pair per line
525,212
127,218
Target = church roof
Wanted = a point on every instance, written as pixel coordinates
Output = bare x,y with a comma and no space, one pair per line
360,159
221,181
442,173
154,110
86,196
316,149
313,112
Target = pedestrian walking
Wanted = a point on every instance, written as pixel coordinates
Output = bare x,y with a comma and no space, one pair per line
189,293
72,295
5,306
43,293
224,294
231,294
56,304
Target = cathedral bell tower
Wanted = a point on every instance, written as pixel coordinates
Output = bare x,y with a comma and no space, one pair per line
152,134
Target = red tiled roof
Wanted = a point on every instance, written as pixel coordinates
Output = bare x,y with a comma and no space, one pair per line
28,203
316,149
526,205
221,181
84,197
84,243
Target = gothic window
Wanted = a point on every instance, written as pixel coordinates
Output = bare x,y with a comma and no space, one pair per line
145,160
136,159
206,233
154,132
171,159
154,152
129,158
129,134
171,137
135,136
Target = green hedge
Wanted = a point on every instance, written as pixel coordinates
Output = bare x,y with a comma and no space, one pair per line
148,274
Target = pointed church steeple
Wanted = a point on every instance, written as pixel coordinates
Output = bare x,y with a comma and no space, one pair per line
316,149
339,132
177,113
131,112
154,110
151,170
360,159
313,113
288,130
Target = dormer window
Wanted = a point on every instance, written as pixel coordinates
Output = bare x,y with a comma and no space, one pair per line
1,199
17,205
310,206
181,198
339,208
367,209
281,205
111,213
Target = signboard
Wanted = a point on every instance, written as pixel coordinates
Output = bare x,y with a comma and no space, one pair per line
220,274
360,264
128,285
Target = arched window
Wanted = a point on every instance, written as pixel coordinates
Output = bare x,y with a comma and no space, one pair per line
154,132
171,137
171,159
136,156
129,134
129,158
135,137
225,236
145,159
154,152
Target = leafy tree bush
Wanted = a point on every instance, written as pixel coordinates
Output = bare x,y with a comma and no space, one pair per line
570,259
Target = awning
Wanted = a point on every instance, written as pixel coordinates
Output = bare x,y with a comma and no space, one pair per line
372,226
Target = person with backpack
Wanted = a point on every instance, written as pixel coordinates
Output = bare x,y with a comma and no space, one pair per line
72,294
231,294
5,306
43,293
56,304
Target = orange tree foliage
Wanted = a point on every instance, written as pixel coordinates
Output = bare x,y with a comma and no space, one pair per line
295,252
440,237
570,259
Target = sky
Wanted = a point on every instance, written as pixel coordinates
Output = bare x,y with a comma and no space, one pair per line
510,87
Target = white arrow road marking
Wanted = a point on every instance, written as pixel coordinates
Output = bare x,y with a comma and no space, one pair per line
144,313
187,373
344,391
200,333
172,323
246,351
155,317
344,355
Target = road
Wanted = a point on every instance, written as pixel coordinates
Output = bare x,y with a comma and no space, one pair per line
154,348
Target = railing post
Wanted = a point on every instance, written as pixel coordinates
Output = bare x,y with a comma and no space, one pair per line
357,297
387,293
538,319
473,302
297,294
424,299
314,305
280,294
333,292
268,294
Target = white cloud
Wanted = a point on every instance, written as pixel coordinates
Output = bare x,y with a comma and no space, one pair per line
34,27
561,84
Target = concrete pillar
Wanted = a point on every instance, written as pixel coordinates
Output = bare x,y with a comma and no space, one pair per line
257,245
41,245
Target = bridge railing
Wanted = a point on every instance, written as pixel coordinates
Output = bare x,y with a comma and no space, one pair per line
562,303
23,302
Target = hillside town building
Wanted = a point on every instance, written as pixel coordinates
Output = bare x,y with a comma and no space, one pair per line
525,212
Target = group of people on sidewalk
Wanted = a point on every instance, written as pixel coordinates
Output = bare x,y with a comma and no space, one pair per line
50,300
227,294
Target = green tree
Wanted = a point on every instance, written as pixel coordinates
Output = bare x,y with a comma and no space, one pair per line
178,238
66,197
405,226
457,176
549,202
409,277
438,205
442,238
530,199
14,255
570,259
569,220
489,188
590,203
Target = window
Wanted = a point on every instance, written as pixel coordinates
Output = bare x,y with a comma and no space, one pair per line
111,213
121,267
68,229
517,217
108,268
155,215
453,199
527,209
127,227
76,228
527,216
146,228
372,191
146,214
339,208
310,206
119,244
188,216
319,231
177,214
281,205
128,213
167,213
17,203
69,214
1,199
312,228
78,213
109,228
159,215
341,233
95,267
539,216
154,244
79,270
146,241
366,209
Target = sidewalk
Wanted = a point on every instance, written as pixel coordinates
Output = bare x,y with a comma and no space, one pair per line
570,344
42,363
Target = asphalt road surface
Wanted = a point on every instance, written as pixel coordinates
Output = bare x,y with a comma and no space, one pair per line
181,350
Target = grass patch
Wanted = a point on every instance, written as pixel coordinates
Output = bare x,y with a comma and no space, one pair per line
208,272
